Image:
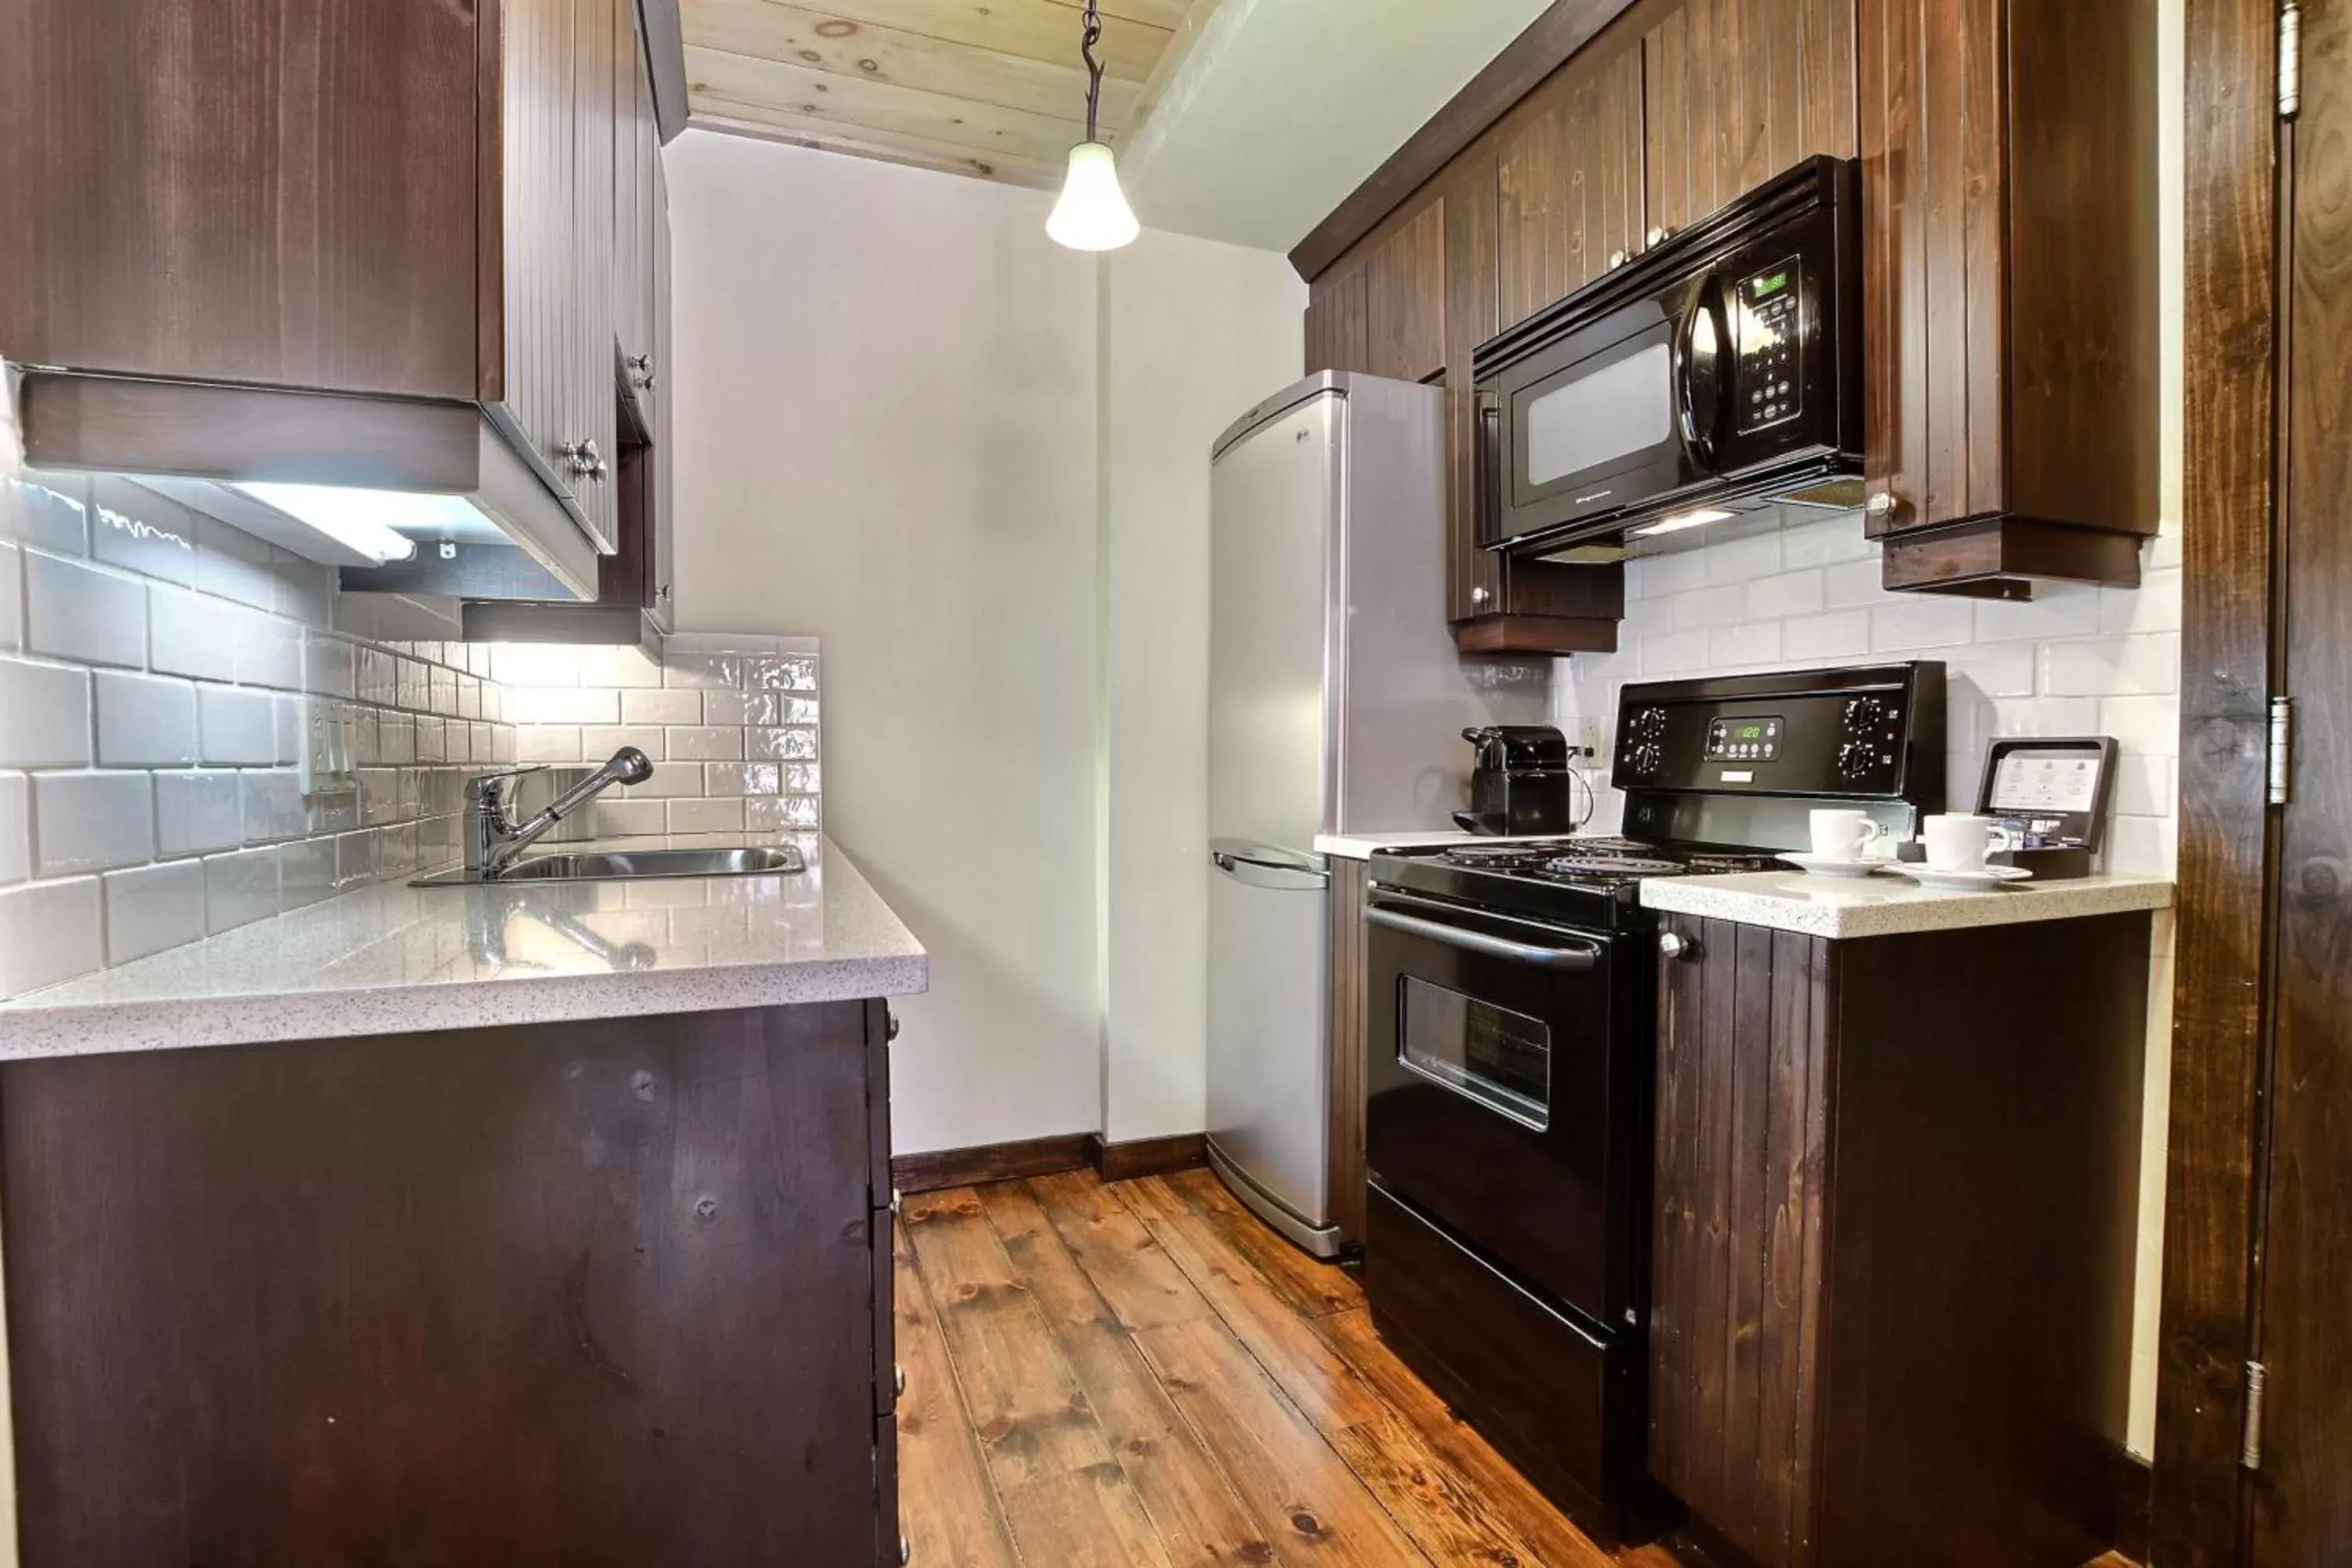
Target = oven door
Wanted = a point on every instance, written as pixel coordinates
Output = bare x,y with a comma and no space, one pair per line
1499,1102
1615,414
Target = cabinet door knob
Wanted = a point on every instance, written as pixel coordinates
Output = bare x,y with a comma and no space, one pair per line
1480,596
893,1031
1616,260
897,1200
1882,504
1658,235
1673,944
905,1551
897,1379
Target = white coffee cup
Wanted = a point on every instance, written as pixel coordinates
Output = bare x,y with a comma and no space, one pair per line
1957,842
1840,835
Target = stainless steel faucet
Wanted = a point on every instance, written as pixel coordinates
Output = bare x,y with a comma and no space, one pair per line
493,837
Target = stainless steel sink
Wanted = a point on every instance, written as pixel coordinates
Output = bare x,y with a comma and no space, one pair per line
621,865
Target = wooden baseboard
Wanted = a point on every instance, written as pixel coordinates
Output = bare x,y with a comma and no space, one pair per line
1047,1157
991,1162
1135,1157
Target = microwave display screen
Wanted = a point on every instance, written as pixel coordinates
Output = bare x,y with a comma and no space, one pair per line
1591,416
1764,288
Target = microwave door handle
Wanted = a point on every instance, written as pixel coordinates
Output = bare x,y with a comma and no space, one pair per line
1566,959
1699,392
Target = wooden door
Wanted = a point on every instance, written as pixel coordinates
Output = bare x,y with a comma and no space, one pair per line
2303,1489
1405,298
1570,184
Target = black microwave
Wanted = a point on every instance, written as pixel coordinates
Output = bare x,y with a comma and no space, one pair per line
1719,372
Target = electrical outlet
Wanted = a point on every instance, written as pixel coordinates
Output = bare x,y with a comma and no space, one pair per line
327,756
1591,739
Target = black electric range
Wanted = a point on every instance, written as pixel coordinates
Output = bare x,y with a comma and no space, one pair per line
1511,1022
1591,880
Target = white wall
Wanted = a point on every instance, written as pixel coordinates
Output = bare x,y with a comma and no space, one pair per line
887,389
1193,333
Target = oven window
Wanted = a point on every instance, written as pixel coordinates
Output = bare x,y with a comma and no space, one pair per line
1591,418
1500,1058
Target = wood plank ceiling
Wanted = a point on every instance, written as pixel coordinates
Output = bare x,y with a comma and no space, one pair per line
994,88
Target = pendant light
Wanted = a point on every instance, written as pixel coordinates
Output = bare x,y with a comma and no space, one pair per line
1092,213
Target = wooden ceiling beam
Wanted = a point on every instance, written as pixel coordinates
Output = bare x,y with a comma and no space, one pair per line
913,152
1037,29
865,106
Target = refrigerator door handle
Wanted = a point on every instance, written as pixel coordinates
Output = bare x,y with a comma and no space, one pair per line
1264,866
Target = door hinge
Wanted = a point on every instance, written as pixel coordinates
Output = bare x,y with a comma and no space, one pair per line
2290,59
2281,749
2250,1452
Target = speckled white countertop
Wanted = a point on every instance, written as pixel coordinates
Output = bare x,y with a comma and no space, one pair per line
391,959
1890,905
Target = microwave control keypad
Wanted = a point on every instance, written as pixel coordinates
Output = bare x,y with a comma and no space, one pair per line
1771,382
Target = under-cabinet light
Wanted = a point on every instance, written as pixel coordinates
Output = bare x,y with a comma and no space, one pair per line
366,520
1679,521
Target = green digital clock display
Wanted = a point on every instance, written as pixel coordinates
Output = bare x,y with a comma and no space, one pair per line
1764,288
1747,732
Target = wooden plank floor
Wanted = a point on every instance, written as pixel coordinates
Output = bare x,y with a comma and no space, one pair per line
1142,1376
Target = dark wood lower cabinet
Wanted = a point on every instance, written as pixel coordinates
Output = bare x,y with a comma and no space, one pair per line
1895,1199
607,1293
1350,881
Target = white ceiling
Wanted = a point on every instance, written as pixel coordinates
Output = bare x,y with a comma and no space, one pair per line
1280,108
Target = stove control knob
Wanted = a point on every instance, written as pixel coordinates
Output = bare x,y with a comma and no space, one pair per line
1645,758
1865,714
1856,760
1650,724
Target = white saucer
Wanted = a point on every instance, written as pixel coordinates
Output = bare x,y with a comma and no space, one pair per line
1983,881
1830,866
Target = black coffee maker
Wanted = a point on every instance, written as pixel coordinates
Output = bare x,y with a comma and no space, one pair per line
1522,785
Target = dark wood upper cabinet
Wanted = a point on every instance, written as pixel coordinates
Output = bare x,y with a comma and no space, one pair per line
1569,179
420,209
2008,193
1404,296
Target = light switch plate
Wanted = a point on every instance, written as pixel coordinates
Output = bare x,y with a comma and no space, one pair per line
328,760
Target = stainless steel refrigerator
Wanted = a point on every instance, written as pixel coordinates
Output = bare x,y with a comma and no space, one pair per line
1336,705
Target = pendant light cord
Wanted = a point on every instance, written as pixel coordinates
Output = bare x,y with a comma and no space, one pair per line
1094,66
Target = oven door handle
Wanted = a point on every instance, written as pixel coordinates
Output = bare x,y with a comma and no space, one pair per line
1572,959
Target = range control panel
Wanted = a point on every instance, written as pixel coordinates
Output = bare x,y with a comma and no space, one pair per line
1747,739
1875,732
1770,383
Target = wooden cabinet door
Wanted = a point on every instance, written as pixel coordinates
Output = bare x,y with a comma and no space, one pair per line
534,396
1473,579
1338,327
1568,183
1738,90
1736,1271
638,148
591,357
663,510
1404,289
1935,337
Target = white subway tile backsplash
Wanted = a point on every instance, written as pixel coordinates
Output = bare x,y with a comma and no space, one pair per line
706,815
144,721
2100,667
135,529
797,745
1902,624
45,715
269,652
2056,610
1787,593
329,665
1853,582
240,888
2153,606
234,565
12,597
738,707
1674,654
1719,606
185,635
49,931
196,811
548,744
706,744
16,828
1741,560
2150,725
1827,541
89,822
702,671
237,726
272,805
86,614
1994,669
150,908
306,872
47,510
740,778
598,741
1745,647
663,707
535,664
563,705
2144,786
1822,639
2043,716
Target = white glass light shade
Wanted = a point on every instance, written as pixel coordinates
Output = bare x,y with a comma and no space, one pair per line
1092,213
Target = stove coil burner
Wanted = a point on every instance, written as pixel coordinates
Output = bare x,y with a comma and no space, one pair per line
1501,857
1603,849
1613,865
